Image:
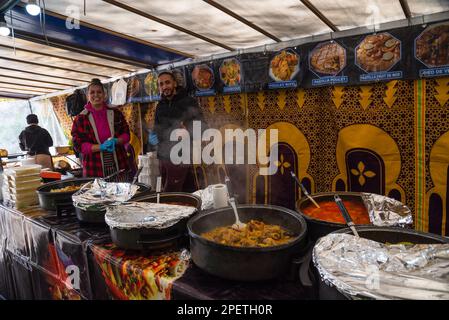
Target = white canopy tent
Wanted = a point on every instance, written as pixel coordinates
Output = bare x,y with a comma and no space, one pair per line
195,29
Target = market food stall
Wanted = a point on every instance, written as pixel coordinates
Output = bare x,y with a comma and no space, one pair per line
359,103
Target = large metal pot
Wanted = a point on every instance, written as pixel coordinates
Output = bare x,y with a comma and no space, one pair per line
95,214
180,198
245,264
151,238
383,235
318,228
52,200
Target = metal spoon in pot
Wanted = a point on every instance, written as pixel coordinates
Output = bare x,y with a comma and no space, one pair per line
136,176
304,190
158,188
345,214
238,225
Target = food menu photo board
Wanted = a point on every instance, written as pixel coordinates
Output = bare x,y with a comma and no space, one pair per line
431,50
231,75
327,62
203,79
254,68
378,57
134,93
150,87
180,77
285,69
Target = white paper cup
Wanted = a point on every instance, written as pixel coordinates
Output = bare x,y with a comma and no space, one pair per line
220,196
144,161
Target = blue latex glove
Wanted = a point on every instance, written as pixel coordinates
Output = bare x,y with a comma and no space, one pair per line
108,145
112,144
153,139
104,146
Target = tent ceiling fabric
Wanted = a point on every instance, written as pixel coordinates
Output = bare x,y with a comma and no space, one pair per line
420,7
286,19
38,78
201,18
198,28
356,13
80,66
45,49
10,95
119,20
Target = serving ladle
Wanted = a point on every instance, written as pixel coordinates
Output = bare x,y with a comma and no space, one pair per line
238,225
304,190
345,214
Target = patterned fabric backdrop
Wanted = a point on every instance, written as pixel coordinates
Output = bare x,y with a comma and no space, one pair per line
387,138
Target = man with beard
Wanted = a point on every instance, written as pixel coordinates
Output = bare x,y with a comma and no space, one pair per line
176,110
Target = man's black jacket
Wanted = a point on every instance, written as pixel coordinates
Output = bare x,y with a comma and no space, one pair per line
35,140
173,114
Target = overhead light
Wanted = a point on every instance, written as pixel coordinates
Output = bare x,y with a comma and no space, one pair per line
4,30
32,8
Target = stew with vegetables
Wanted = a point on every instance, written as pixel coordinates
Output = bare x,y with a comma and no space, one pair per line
330,212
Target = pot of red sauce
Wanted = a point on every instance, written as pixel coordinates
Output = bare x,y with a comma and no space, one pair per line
327,218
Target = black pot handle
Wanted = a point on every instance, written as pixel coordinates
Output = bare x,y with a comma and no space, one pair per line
159,241
63,206
304,268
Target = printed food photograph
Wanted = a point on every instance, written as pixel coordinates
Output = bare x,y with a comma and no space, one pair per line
328,58
284,66
133,87
432,46
230,72
203,77
180,77
378,52
150,84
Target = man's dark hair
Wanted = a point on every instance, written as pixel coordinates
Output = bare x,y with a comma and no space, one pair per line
167,72
32,119
96,82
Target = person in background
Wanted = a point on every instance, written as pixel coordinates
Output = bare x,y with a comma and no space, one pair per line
100,133
175,110
36,141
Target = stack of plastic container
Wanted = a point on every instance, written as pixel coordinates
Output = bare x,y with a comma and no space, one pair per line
20,184
150,169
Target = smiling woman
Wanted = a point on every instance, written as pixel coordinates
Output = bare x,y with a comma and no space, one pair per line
100,134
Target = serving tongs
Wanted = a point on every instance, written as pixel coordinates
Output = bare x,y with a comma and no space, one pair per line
345,214
238,225
113,175
304,190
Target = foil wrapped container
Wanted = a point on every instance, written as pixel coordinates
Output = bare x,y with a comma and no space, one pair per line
136,215
99,192
207,197
386,212
361,268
